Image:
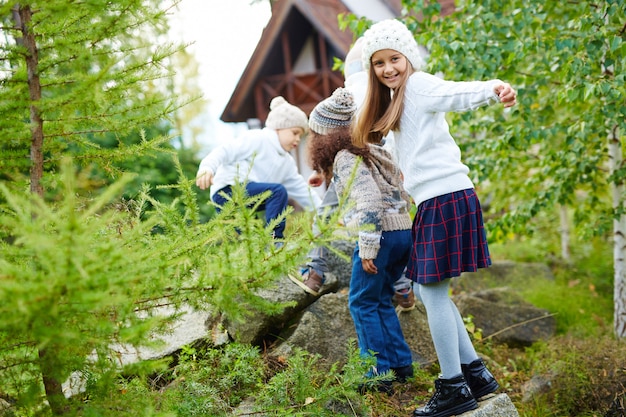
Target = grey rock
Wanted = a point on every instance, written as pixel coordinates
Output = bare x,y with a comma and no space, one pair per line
504,316
536,386
260,325
498,406
501,274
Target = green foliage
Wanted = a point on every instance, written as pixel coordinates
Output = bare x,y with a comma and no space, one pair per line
299,391
213,381
81,278
74,72
210,381
585,376
552,147
130,397
77,279
154,170
90,265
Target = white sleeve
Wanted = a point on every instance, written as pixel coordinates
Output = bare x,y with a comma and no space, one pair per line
227,154
432,94
298,189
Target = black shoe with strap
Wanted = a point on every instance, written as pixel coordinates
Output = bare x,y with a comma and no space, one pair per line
452,397
480,381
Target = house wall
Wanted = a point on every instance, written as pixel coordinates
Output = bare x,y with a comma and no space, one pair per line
305,64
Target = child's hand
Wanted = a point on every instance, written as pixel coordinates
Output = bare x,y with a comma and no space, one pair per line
315,179
204,179
506,94
368,266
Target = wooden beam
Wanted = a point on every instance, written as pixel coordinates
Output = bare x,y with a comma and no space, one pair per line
288,66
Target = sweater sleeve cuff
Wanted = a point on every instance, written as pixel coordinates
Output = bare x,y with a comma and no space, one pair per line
368,251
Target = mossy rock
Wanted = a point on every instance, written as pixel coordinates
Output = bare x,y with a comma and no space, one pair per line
501,274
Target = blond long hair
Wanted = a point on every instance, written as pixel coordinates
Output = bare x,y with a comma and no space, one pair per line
381,111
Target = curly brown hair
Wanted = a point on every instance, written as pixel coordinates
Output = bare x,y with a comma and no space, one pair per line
322,149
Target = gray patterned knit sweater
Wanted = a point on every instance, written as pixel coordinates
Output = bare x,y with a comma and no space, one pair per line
378,199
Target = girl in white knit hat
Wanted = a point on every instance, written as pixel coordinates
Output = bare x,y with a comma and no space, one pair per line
448,232
371,180
261,159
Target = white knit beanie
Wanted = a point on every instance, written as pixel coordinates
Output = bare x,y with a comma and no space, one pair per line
333,112
390,34
283,115
352,63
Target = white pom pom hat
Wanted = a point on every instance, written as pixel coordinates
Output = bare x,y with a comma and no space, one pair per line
390,34
283,115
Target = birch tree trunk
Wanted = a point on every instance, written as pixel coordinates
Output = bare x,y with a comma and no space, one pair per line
619,239
565,234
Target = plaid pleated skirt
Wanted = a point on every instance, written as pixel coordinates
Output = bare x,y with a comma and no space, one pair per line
448,238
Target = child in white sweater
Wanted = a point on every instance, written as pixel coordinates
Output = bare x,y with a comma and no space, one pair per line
261,159
448,232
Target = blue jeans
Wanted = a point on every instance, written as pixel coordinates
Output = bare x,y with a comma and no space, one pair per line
274,205
370,302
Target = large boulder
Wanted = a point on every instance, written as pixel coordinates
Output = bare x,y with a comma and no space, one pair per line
505,317
258,326
325,328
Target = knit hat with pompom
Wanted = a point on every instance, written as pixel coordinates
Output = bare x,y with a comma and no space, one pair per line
390,34
283,115
333,112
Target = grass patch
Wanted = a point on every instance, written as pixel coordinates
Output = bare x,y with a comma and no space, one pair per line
581,293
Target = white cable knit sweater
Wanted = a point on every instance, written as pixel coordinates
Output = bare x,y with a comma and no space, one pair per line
257,156
427,154
380,201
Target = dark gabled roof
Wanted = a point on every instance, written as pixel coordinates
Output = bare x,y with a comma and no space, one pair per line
323,16
286,16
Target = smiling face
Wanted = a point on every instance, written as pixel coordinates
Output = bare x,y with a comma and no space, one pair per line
289,138
389,66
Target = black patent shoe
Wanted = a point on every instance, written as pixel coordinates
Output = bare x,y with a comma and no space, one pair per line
480,381
452,397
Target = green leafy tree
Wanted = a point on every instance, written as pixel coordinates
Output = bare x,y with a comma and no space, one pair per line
80,279
73,72
561,146
83,272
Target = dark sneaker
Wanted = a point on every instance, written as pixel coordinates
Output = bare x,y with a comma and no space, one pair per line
403,373
311,281
480,381
404,299
452,397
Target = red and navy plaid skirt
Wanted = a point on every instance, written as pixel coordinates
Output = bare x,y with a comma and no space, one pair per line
448,238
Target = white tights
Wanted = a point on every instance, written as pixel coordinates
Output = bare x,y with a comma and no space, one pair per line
447,329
